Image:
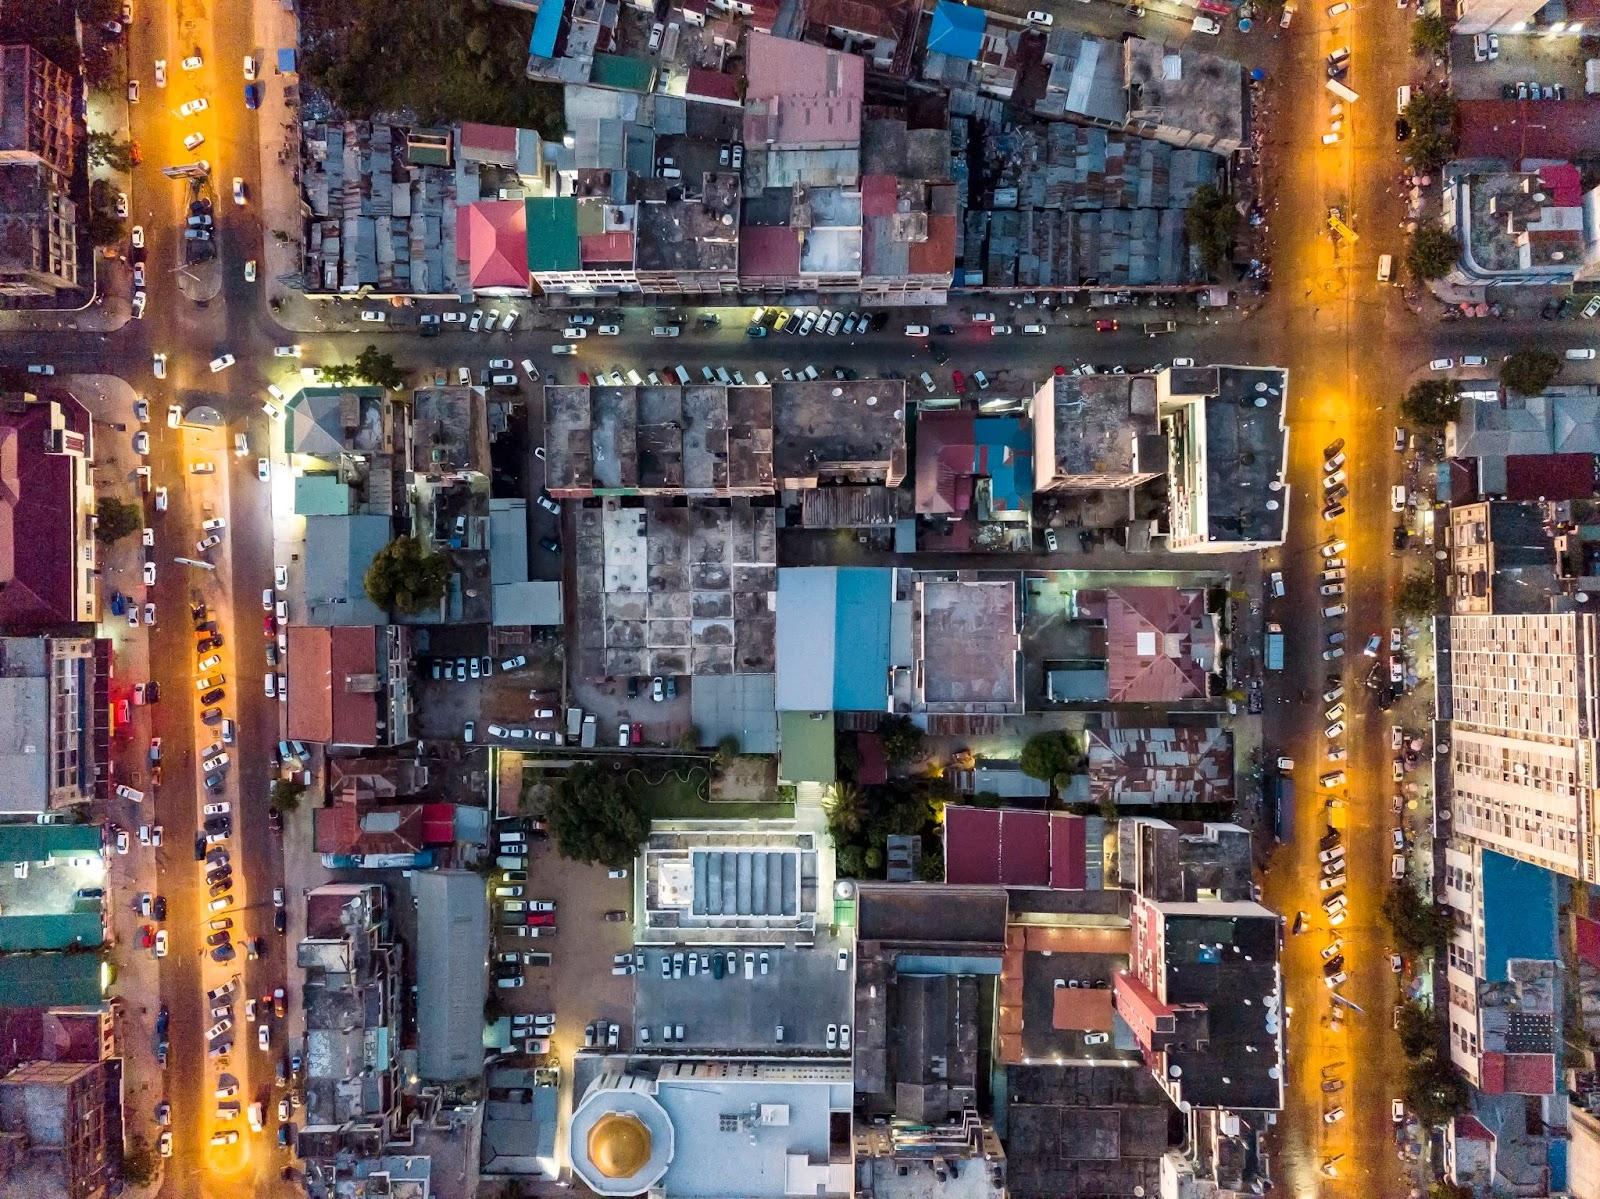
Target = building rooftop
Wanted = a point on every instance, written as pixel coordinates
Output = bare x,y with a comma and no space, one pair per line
932,914
338,551
449,433
704,439
1118,1123
852,431
1010,847
494,243
338,689
1092,426
673,591
41,525
452,946
801,97
821,611
1133,766
1503,130
1243,455
679,231
1522,223
326,422
1563,421
1184,862
1160,642
1055,984
1503,557
971,648
1186,88
1085,78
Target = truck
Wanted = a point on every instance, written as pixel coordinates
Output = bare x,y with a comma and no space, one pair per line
1154,328
574,725
588,735
1591,77
1274,646
1282,807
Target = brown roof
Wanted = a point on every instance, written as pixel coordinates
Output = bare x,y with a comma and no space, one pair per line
335,698
1083,1008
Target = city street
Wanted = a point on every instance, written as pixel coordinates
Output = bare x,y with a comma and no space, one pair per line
1351,346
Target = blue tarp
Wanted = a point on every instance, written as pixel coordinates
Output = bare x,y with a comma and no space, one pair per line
286,61
546,26
957,30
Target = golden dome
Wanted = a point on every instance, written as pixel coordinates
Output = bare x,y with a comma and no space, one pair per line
619,1145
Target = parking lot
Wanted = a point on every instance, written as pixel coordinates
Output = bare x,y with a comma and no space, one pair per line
803,990
500,697
1544,60
578,985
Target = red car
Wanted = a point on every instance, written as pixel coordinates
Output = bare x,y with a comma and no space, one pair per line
960,382
541,919
269,624
147,936
636,733
1105,326
583,378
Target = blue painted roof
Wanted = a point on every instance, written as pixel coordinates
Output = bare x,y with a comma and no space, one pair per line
957,30
546,26
1004,452
1519,914
862,598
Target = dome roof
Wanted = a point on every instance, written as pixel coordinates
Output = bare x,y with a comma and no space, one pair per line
619,1145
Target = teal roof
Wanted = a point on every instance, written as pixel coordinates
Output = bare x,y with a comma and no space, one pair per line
338,551
861,633
1003,450
50,979
58,931
36,842
553,234
322,495
623,73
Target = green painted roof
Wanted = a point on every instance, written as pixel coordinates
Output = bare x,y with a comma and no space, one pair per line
20,933
322,495
36,842
625,74
50,979
553,234
806,755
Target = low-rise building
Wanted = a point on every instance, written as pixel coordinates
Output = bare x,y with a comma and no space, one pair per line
1502,558
1139,767
351,685
1540,447
47,513
1131,645
1227,453
59,1125
1517,227
1013,847
847,432
56,753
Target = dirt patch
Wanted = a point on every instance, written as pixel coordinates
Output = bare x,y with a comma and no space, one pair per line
749,778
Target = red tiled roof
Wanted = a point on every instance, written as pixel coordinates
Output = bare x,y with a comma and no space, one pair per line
1588,937
1551,476
1149,642
311,715
393,829
945,457
1518,129
438,823
1518,1073
1564,183
322,662
797,94
1470,1128
494,242
37,518
498,139
936,255
606,249
768,250
1014,847
714,85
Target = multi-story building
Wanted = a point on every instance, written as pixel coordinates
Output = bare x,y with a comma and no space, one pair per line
55,1120
36,124
1096,433
48,688
38,232
1521,694
352,996
47,556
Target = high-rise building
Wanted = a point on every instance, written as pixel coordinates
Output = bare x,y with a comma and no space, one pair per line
1521,694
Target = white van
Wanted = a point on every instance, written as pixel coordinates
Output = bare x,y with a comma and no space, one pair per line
1402,99
514,905
683,376
1385,268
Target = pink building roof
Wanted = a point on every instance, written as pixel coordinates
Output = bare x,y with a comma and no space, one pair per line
714,85
38,517
768,250
607,249
494,242
1150,641
1014,847
801,96
323,661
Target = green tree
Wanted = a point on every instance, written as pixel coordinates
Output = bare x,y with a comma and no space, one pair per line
1431,404
1434,1090
850,861
379,368
1417,924
340,374
102,227
104,150
902,740
1419,594
846,811
286,794
930,866
114,519
727,749
595,818
1529,372
1420,1029
1434,250
1049,755
1212,223
1430,35
404,577
138,1163
1432,117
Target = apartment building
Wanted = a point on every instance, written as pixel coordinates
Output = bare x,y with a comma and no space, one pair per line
1519,690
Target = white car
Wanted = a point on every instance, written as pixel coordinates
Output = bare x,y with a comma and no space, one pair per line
1441,364
238,190
1204,24
194,141
161,72
122,205
249,270
158,363
573,333
133,91
139,303
193,106
138,237
222,362
161,943
1334,730
916,330
293,351
264,469
149,574
174,415
374,316
609,330
161,499
141,442
192,63
1036,17
249,66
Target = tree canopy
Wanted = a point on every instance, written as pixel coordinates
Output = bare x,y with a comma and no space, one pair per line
105,149
468,57
902,740
1050,754
286,794
1212,222
1432,117
1434,250
114,519
404,577
1417,924
1430,34
595,818
1431,403
1419,594
1529,372
379,368
862,820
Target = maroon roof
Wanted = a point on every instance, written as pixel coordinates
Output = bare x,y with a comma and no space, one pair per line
945,457
1150,634
768,250
1013,847
1512,130
715,84
872,768
38,515
1551,476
